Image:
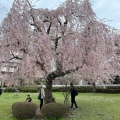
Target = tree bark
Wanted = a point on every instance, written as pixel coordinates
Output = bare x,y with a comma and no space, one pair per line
48,92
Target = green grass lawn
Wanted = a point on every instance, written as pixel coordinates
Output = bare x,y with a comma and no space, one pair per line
91,106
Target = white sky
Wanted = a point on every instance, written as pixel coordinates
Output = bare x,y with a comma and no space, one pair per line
108,9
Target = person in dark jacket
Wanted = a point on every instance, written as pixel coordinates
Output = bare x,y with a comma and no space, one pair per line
74,93
28,99
0,91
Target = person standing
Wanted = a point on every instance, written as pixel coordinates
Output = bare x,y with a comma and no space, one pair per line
0,90
74,93
42,96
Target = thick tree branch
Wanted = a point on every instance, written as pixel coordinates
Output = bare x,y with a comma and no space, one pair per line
55,74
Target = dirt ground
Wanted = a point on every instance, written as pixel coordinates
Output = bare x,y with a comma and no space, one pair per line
38,115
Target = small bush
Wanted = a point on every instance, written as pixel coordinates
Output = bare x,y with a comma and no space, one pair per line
54,111
22,110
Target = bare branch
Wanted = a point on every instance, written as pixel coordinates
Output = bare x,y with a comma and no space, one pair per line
48,30
41,65
15,57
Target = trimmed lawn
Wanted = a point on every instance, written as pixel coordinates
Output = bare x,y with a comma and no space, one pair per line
91,106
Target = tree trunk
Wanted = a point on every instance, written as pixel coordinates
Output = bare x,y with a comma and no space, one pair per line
48,92
94,87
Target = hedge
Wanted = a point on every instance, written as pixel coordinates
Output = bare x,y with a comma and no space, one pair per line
80,89
22,89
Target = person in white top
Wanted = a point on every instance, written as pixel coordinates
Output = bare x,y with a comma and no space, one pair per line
42,96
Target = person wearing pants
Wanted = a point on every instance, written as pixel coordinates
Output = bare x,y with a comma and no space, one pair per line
73,95
0,91
42,96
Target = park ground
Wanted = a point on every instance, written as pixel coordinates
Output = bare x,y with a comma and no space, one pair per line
92,106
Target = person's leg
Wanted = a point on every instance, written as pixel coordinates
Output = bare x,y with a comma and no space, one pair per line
72,101
71,104
41,103
75,104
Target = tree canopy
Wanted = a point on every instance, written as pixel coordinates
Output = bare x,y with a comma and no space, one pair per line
58,42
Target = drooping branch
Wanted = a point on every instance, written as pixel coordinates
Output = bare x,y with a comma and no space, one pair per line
34,23
33,18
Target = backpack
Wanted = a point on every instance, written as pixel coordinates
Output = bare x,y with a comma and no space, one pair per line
39,96
76,93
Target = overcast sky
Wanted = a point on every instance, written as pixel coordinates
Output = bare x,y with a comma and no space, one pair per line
104,9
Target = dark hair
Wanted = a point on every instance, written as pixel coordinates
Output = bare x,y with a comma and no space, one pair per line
28,95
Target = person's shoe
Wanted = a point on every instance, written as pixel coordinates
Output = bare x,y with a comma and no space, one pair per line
71,108
77,108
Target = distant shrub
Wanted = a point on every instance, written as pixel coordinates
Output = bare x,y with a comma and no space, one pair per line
108,90
23,110
54,111
9,89
28,89
32,89
80,89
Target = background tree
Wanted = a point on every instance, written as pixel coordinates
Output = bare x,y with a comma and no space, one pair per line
58,42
